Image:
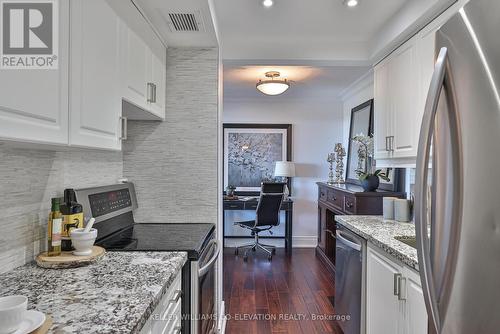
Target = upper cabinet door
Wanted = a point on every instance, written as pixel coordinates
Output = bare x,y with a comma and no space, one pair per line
382,112
144,77
158,79
34,102
138,60
95,100
404,91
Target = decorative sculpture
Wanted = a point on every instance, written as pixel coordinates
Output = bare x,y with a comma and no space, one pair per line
339,167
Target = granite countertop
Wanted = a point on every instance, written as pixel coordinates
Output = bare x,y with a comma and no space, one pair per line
381,232
115,295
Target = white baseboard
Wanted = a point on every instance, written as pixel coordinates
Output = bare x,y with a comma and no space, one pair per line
305,241
298,242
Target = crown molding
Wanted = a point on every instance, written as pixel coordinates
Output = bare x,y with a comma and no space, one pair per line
359,84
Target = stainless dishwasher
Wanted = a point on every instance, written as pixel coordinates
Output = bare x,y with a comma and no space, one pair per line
349,280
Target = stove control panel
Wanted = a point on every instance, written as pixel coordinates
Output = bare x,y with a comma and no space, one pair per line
109,201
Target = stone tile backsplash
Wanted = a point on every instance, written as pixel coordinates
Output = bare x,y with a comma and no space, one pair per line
28,180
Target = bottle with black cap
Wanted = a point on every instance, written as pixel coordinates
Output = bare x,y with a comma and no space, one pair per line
72,217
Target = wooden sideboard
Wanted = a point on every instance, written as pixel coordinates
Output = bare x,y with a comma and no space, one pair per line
343,199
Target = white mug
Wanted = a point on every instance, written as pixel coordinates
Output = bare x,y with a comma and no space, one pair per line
12,313
388,207
402,210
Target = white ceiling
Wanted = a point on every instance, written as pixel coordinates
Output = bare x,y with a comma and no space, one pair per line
301,29
321,45
308,82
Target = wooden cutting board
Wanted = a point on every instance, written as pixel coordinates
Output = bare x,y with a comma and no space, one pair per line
68,260
45,327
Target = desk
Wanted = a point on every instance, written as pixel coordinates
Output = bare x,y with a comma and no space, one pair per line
286,206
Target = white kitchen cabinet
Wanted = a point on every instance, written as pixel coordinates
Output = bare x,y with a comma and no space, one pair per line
136,68
403,88
416,313
383,309
382,111
402,82
394,298
397,114
158,77
95,94
34,103
166,317
145,77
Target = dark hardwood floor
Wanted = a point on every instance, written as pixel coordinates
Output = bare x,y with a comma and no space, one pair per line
282,296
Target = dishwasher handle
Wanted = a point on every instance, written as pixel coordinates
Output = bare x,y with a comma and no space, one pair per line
206,267
348,243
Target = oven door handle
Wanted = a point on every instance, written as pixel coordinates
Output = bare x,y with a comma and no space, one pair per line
203,270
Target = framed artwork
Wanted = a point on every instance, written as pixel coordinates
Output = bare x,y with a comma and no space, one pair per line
361,124
250,154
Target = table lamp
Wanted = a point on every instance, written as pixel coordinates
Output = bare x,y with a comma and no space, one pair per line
285,169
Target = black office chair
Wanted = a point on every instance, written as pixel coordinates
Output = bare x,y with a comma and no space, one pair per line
267,217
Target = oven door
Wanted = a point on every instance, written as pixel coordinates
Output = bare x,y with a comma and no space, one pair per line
203,290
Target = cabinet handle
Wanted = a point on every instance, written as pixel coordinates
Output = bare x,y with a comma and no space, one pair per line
177,296
402,289
149,92
124,128
391,143
331,233
153,97
397,284
349,205
386,143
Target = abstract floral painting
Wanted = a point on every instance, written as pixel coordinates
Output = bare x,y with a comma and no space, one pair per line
250,155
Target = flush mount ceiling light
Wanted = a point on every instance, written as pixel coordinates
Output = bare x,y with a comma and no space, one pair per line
273,86
267,3
351,3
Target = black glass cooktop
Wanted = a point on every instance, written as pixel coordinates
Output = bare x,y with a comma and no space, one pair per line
190,238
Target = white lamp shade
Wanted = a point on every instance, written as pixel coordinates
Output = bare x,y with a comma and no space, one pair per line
273,87
284,168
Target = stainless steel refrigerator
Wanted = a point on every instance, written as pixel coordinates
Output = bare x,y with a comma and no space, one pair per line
457,200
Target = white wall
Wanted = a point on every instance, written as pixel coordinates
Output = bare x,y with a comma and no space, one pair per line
316,127
357,93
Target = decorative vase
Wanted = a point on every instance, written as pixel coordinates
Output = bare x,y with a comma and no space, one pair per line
370,183
230,191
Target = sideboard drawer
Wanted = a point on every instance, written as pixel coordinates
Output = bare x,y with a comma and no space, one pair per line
236,205
251,205
322,192
336,199
350,204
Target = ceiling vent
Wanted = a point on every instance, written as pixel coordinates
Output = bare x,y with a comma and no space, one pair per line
186,22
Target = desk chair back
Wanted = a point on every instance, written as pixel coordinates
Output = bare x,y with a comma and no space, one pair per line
268,209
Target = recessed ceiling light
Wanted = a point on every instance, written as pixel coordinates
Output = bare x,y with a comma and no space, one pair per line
268,3
351,3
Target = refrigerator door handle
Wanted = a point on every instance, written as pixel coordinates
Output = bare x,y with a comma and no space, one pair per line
438,293
422,170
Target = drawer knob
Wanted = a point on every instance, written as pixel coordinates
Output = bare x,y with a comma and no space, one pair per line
348,204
